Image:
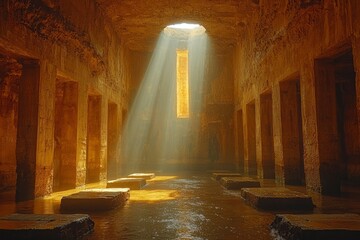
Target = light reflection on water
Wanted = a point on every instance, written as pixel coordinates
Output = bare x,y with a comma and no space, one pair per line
179,208
200,210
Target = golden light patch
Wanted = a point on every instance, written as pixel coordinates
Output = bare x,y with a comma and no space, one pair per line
182,84
153,195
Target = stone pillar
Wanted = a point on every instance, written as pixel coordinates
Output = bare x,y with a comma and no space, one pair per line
82,134
277,132
356,55
112,141
103,138
240,140
45,136
310,128
35,143
327,127
250,162
94,140
66,121
267,160
288,135
291,133
27,131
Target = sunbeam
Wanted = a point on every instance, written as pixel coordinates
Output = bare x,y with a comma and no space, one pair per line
156,137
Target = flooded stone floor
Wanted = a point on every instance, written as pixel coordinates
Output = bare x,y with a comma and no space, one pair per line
186,206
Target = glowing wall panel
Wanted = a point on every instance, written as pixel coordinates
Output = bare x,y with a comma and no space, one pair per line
182,84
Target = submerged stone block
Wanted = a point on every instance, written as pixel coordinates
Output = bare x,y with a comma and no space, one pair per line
146,176
317,226
95,200
45,226
236,183
277,198
218,175
132,183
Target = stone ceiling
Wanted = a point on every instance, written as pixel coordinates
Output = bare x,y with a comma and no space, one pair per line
139,22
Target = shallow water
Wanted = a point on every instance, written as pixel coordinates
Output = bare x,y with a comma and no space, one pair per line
181,207
190,207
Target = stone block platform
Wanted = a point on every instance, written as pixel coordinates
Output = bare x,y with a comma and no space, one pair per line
95,200
45,226
132,183
277,198
317,226
237,183
146,176
218,175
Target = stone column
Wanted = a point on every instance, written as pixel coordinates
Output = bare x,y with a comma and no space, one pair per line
258,137
277,132
240,140
310,127
81,133
287,127
290,133
250,162
95,155
356,55
267,160
112,140
66,121
27,131
35,144
103,138
45,137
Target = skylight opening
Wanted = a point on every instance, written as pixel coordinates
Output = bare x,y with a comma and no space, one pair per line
184,30
184,26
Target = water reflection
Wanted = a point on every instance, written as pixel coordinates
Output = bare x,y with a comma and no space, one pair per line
181,207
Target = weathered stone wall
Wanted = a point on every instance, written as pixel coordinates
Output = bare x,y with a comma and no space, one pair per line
74,41
217,120
283,41
10,71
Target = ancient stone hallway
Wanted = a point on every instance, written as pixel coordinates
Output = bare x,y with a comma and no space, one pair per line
94,90
185,206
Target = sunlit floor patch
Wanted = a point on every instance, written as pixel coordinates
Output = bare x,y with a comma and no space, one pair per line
154,195
162,178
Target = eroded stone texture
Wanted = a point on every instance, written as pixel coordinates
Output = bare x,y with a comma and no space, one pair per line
134,21
236,183
132,183
69,43
45,226
10,71
317,226
95,200
272,198
304,40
